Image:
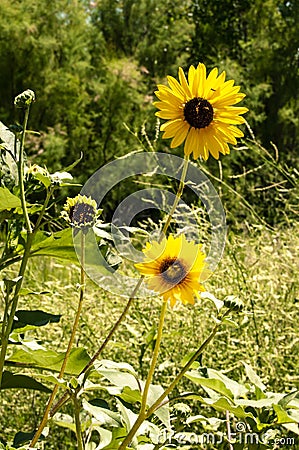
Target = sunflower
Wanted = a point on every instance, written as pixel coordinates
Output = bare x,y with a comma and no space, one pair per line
81,212
174,268
200,112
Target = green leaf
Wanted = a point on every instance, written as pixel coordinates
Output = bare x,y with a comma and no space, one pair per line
36,317
44,179
119,374
22,438
48,359
103,415
288,398
224,404
283,416
155,391
8,200
64,421
210,383
59,245
129,395
17,381
105,437
253,377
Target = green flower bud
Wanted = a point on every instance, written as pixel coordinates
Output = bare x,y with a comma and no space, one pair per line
25,99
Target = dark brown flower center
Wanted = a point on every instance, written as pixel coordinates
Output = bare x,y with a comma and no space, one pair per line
82,214
198,112
172,270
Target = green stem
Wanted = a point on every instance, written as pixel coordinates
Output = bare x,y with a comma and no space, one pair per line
70,344
145,414
154,357
9,316
178,195
21,173
142,414
44,207
65,397
78,422
187,366
7,325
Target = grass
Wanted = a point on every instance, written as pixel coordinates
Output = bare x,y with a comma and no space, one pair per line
259,266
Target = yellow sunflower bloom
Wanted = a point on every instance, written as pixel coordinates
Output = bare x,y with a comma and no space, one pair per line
200,112
174,268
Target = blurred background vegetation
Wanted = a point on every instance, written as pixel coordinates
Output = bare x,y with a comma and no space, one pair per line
94,66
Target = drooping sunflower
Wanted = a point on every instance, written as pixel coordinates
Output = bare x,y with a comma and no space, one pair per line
200,112
174,268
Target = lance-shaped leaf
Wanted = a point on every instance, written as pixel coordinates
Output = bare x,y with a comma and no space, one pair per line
18,381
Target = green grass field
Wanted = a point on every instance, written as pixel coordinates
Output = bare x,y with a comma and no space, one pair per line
259,265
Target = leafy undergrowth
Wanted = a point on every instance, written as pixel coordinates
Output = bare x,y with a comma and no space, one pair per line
258,265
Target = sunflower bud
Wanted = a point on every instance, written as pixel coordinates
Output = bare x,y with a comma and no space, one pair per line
81,212
25,99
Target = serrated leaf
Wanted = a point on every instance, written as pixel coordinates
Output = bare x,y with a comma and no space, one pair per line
18,381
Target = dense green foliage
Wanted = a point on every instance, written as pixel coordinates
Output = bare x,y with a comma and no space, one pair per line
94,67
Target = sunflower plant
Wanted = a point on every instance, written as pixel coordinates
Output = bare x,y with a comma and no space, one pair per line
138,413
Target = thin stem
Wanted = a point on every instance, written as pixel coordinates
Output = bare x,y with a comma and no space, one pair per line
187,366
65,397
78,422
21,173
178,195
115,326
70,344
6,327
142,413
154,357
44,207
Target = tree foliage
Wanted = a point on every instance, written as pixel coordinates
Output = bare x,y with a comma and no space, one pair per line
94,66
